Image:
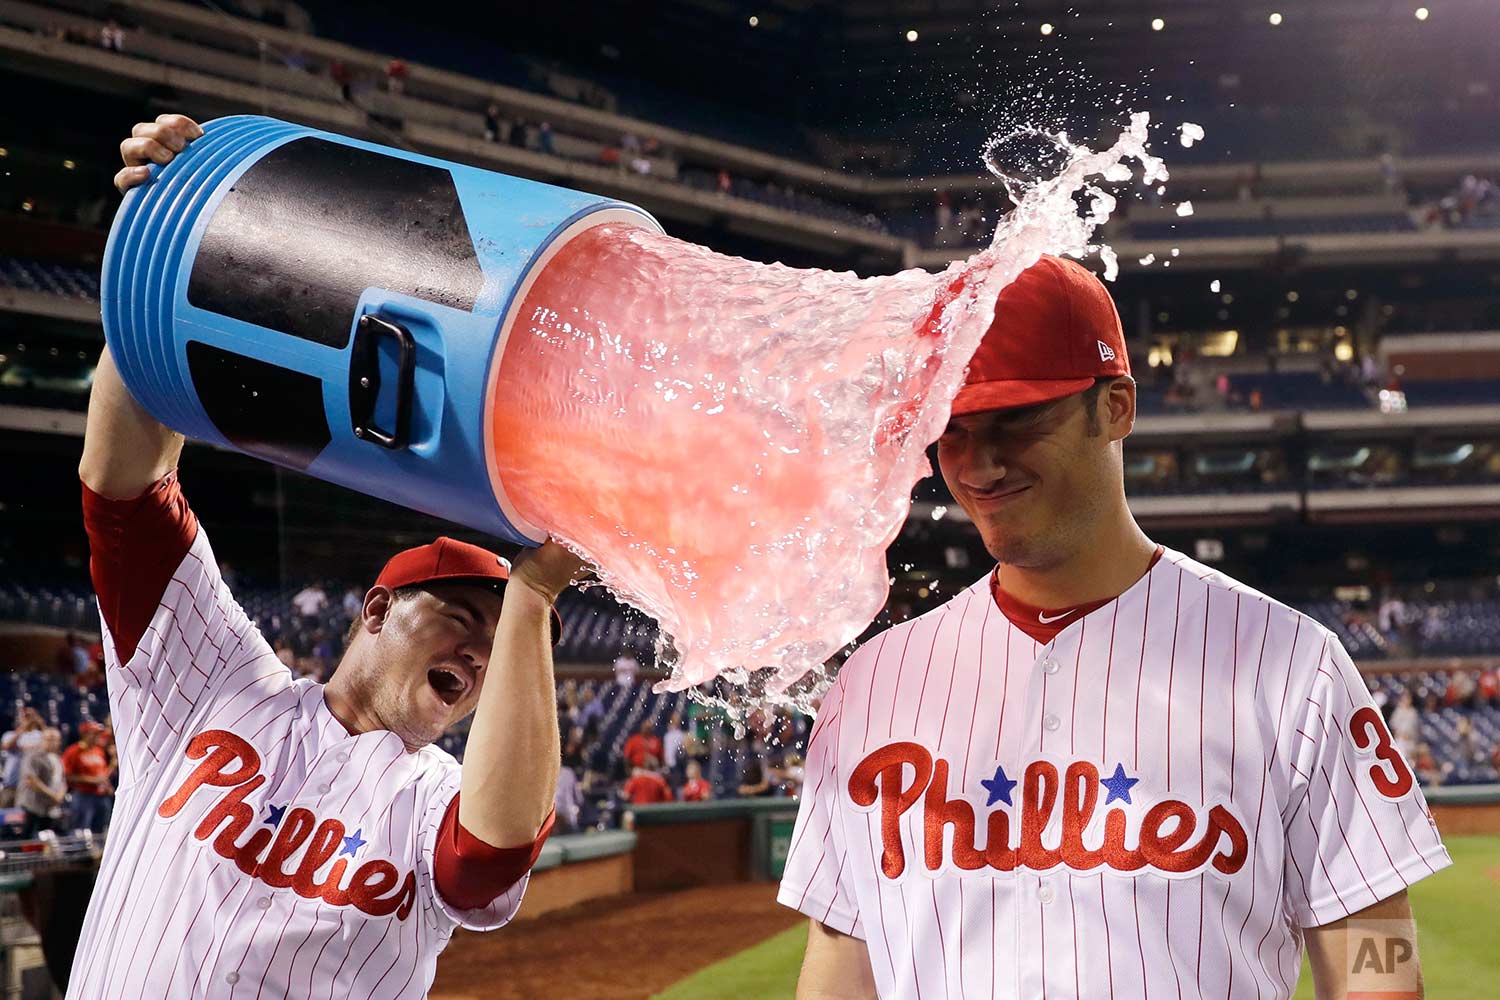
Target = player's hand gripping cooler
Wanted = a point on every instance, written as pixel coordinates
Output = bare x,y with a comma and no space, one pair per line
733,444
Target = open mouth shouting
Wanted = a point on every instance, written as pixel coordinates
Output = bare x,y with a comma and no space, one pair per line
451,682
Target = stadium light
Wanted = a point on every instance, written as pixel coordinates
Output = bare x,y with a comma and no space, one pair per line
1046,29
69,164
911,36
1157,24
1423,13
1275,17
754,21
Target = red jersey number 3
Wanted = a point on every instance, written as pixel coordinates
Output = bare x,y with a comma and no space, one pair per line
1371,736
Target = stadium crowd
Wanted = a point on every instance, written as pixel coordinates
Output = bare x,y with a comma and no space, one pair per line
44,787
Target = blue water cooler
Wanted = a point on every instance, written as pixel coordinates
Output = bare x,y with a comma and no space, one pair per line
335,306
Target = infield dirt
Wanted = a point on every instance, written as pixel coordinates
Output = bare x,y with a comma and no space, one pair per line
627,948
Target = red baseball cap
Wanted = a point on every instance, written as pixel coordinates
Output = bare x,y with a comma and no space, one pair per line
1055,331
450,559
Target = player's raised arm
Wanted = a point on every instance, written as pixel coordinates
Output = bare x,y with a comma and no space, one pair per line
512,759
125,449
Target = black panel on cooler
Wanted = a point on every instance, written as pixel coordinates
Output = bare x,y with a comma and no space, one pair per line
309,227
263,409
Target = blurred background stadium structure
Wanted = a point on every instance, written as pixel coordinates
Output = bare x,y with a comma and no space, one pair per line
1317,343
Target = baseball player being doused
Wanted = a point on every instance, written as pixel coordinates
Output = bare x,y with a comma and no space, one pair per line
1104,769
275,837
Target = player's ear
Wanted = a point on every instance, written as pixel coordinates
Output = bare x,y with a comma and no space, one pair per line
377,608
1118,408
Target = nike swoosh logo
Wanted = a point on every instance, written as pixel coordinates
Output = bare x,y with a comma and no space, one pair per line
1042,617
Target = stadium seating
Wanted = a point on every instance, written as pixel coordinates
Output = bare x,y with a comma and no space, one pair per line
1441,628
596,629
1452,392
1301,391
53,279
1191,228
302,75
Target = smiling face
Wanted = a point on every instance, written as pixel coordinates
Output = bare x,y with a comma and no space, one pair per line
1035,480
419,658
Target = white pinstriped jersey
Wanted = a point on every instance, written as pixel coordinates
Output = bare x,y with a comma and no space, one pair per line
1150,805
257,849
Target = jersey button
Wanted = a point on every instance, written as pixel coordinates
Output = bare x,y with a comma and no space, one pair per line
264,902
1051,722
232,978
344,757
1050,666
1044,893
323,789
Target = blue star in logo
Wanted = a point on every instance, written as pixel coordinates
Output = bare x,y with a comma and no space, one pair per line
354,843
999,786
1118,785
276,812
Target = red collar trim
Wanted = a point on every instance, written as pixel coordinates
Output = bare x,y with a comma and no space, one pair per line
1044,624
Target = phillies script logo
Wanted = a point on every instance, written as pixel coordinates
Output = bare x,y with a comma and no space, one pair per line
375,887
1164,836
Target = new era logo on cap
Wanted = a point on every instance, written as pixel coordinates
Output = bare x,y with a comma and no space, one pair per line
1106,353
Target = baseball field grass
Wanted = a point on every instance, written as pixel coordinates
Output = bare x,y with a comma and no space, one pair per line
1458,915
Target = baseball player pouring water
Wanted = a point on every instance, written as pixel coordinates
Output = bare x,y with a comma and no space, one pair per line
281,838
1103,769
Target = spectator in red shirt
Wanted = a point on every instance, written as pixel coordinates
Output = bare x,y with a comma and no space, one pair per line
646,786
339,74
1489,686
395,76
86,764
642,745
696,788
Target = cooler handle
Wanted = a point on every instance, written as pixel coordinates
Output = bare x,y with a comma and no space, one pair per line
364,381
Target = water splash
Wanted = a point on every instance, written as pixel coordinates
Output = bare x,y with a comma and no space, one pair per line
733,445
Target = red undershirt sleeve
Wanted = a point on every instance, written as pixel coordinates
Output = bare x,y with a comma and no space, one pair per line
471,874
134,548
